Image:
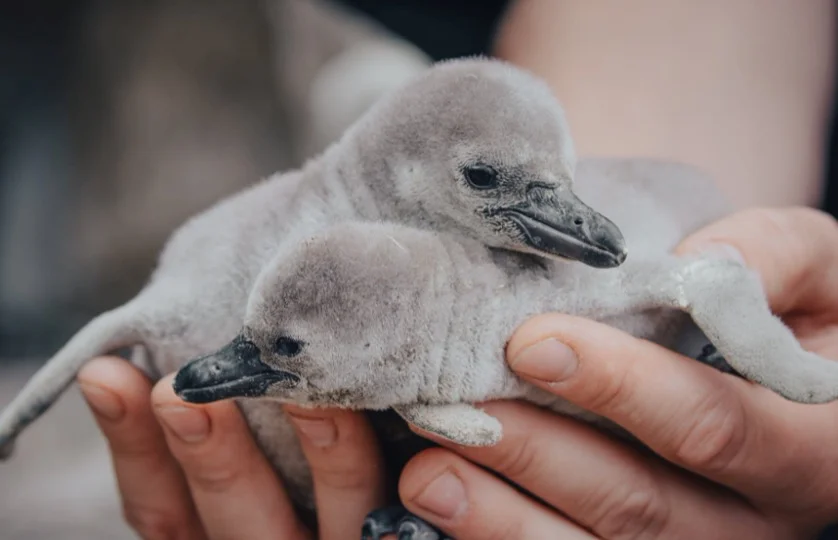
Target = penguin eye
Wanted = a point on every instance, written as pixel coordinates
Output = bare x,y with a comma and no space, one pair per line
286,346
481,176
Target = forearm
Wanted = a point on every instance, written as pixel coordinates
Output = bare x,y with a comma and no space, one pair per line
739,88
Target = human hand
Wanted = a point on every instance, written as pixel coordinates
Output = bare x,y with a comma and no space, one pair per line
194,472
729,459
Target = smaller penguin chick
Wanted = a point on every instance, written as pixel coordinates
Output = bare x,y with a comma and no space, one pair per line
369,316
376,316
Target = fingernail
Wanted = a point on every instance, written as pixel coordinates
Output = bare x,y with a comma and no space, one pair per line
445,496
190,425
103,402
322,432
719,249
549,360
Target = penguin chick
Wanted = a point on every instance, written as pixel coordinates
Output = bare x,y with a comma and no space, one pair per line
377,316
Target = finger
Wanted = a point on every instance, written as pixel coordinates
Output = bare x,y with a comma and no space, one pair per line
605,485
467,502
791,248
721,427
155,497
236,491
346,466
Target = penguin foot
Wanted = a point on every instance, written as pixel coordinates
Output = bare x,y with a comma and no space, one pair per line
396,520
713,358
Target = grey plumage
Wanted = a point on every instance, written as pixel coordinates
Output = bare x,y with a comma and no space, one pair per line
407,160
377,316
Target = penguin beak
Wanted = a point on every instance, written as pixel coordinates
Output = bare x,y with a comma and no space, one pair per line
563,226
234,371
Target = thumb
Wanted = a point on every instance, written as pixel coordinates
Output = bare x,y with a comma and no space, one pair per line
792,249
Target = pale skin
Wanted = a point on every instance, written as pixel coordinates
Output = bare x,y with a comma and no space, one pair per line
194,472
741,88
727,433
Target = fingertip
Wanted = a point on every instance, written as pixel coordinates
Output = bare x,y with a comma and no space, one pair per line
315,426
224,412
432,484
466,501
113,387
163,393
325,427
309,412
539,328
112,372
204,427
421,467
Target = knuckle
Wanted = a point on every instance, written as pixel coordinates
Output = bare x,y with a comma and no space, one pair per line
152,465
715,438
771,221
212,478
341,478
613,391
638,513
517,459
782,226
152,523
135,449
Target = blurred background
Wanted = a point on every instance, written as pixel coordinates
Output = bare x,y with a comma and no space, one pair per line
120,119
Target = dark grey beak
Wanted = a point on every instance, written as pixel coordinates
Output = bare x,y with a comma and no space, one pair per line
234,371
566,227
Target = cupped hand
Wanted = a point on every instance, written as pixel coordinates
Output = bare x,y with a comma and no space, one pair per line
725,458
194,472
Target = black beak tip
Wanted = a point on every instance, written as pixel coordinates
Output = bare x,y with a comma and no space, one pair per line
610,240
620,255
179,382
617,257
603,259
184,380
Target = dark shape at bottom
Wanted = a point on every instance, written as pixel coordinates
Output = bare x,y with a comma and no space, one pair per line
382,521
398,521
713,358
7,448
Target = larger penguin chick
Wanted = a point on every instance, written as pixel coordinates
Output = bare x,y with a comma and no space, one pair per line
483,149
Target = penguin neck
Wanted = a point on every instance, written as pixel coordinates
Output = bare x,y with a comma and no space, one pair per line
475,310
363,170
336,189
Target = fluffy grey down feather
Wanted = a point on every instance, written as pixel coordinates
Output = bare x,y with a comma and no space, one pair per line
429,273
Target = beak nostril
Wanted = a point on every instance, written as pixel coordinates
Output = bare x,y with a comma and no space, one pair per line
578,222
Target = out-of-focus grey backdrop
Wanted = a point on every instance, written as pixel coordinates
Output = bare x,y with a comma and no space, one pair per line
119,120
